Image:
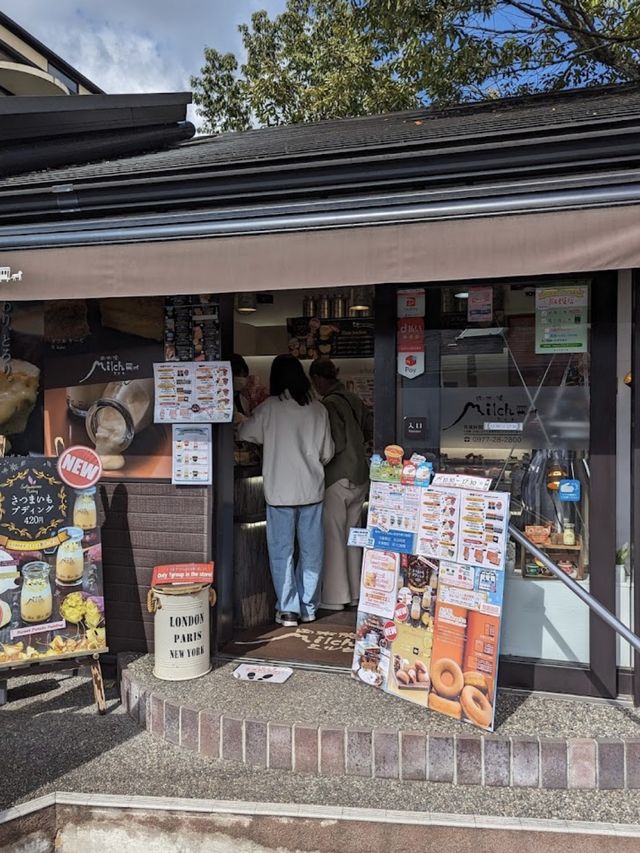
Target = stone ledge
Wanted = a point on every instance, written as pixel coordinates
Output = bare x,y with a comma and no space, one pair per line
470,759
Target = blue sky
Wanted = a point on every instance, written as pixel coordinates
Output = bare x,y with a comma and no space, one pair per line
130,46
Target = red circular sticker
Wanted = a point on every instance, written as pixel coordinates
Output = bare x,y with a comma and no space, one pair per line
390,631
402,612
79,467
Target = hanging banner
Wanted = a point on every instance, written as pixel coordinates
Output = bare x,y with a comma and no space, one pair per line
562,319
480,305
51,588
410,347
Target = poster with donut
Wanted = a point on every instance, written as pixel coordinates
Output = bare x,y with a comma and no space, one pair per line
464,659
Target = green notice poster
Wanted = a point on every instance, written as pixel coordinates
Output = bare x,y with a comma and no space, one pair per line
562,319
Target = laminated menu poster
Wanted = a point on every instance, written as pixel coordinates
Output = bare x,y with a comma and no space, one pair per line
393,516
394,638
192,455
439,523
466,644
484,524
51,588
193,392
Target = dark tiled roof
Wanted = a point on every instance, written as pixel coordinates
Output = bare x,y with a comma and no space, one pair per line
475,124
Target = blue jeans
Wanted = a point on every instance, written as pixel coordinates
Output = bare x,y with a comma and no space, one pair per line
297,588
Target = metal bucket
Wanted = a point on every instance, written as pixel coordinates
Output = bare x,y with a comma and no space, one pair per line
182,646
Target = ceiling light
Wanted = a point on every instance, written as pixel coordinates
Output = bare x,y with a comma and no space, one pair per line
361,300
464,294
246,303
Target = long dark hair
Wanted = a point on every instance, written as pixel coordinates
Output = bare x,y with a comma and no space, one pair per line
287,375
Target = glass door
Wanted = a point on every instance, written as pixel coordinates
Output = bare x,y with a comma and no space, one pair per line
507,394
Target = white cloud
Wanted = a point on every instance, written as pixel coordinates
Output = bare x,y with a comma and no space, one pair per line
129,46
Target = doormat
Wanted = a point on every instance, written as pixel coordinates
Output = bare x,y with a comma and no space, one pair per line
329,641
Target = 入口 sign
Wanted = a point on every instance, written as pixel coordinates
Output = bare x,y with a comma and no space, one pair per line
79,467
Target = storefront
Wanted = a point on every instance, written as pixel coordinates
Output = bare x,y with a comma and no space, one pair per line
498,395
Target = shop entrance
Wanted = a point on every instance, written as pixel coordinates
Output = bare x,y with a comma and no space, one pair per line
335,325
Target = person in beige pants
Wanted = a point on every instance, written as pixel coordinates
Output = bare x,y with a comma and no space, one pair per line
346,485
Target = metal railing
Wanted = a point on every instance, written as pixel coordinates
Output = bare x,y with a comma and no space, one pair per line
591,602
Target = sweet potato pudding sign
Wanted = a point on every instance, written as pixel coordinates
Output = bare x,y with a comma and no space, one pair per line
51,590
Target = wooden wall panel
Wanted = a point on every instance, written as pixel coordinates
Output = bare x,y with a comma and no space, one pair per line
146,523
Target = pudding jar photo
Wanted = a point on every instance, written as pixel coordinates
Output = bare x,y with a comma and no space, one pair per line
70,557
36,600
84,509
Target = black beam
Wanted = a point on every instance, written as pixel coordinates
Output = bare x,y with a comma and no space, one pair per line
602,484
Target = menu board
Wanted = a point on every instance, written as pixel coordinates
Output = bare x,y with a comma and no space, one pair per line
428,625
51,588
484,521
439,521
311,338
393,516
193,392
464,659
192,455
192,328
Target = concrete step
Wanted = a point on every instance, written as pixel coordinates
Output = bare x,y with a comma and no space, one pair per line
325,724
68,822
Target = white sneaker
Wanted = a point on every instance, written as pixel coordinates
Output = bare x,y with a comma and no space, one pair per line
331,607
287,620
311,617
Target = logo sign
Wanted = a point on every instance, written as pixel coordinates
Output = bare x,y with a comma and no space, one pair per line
390,630
569,490
402,612
411,303
7,275
79,467
182,573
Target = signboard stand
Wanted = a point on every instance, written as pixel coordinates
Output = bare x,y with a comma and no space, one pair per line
37,518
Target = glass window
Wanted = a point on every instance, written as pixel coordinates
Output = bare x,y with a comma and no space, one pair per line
506,395
69,82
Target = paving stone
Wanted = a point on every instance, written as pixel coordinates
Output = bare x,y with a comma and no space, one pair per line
468,760
497,762
190,728
305,749
133,701
359,752
144,716
413,756
610,764
255,743
279,746
386,754
172,722
553,763
581,763
157,715
231,738
442,758
632,749
525,762
210,734
332,759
